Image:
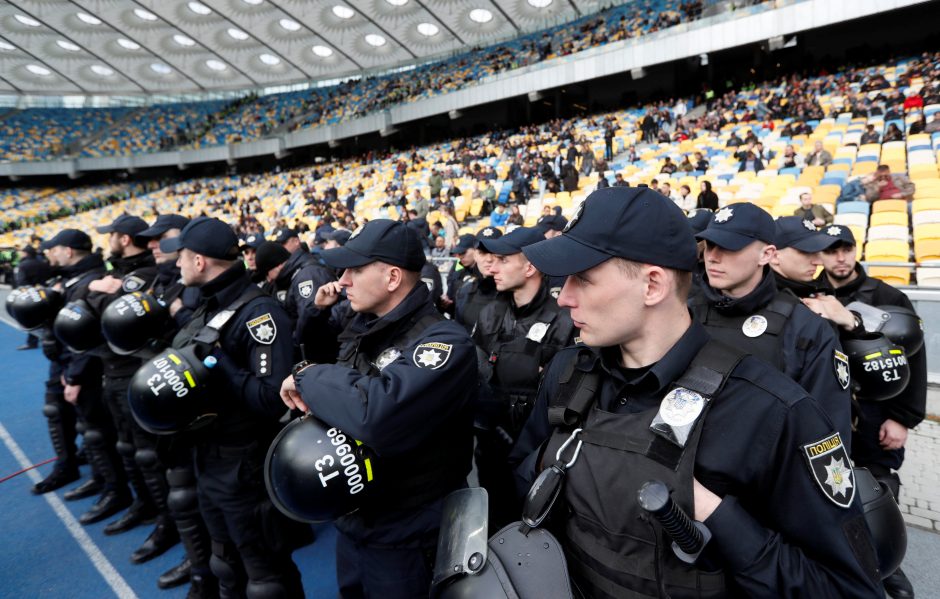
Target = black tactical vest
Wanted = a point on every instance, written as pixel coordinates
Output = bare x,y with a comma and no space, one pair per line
768,345
614,548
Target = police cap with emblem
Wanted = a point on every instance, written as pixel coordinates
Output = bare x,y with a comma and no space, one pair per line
464,242
794,232
164,223
699,219
627,222
125,225
251,241
737,226
270,255
488,233
513,242
70,238
841,233
380,240
552,222
207,236
285,233
340,236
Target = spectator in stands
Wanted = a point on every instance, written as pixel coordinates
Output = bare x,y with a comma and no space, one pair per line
668,166
814,213
515,217
451,227
619,182
436,183
884,185
918,126
649,127
751,163
706,197
666,189
789,158
569,176
419,224
440,248
893,133
870,136
499,217
819,156
934,125
632,156
609,140
420,204
734,141
686,165
685,200
913,101
701,164
587,160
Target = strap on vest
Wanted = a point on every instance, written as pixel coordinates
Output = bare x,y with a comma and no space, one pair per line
212,330
710,368
576,392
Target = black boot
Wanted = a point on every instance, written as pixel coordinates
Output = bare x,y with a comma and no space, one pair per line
898,586
175,576
203,587
110,503
139,513
58,478
90,487
160,540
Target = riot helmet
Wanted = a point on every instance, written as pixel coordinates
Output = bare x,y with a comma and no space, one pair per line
33,307
133,321
884,520
904,327
78,327
879,367
168,393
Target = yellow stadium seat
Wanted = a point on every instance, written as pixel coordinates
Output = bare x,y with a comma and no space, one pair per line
887,250
926,249
892,275
889,206
927,231
888,218
925,204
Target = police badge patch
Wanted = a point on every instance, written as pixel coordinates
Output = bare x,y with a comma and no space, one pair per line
262,329
840,362
574,219
754,326
829,463
537,331
305,289
281,295
387,357
555,292
132,283
431,355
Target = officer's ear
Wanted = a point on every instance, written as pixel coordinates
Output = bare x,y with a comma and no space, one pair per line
768,253
658,284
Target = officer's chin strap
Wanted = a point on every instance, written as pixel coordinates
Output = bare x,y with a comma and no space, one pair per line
548,485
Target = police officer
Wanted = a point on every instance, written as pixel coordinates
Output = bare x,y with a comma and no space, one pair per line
741,447
253,354
552,225
465,252
248,246
740,305
31,270
132,269
403,386
81,377
798,255
517,335
882,427
477,288
175,454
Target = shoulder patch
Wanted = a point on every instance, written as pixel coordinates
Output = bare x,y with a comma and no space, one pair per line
305,288
431,355
262,329
281,296
555,292
132,283
830,467
840,362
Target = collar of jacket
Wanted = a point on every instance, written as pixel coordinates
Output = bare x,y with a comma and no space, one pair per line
225,288
89,262
765,291
368,325
798,288
124,266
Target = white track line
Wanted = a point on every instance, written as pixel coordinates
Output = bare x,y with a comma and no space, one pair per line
101,563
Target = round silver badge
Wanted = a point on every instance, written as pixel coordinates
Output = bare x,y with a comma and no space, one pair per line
681,407
754,326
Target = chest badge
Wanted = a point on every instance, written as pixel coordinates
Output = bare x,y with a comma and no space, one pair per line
262,329
133,283
754,326
831,469
387,357
431,355
537,331
681,407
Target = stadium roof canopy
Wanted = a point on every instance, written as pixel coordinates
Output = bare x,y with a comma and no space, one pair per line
63,47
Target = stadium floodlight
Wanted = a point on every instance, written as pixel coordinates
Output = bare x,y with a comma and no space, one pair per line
160,68
397,2
84,17
6,47
100,69
343,12
481,15
31,22
128,44
322,51
35,69
269,59
216,65
428,29
253,2
182,40
145,15
67,45
375,40
237,34
199,8
540,3
289,25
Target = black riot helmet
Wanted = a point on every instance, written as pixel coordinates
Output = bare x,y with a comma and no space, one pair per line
884,520
168,393
78,327
316,473
904,327
131,322
33,307
879,367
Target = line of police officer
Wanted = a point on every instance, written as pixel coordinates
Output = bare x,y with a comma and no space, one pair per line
391,419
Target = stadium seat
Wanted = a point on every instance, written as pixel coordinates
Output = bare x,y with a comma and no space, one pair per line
898,232
854,207
892,275
889,218
889,206
926,250
853,219
887,250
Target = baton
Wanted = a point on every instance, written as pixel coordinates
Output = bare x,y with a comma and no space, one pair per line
688,536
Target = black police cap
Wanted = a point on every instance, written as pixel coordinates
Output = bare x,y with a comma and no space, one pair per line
842,233
514,241
464,243
70,238
795,232
164,223
380,240
126,225
637,224
270,255
737,226
206,236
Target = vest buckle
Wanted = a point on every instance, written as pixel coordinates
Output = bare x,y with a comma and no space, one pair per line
577,449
